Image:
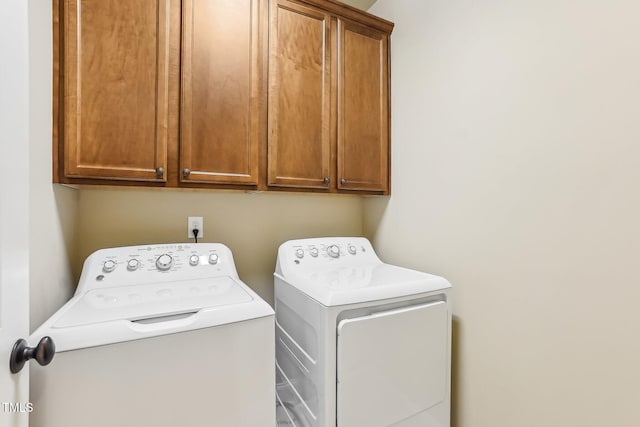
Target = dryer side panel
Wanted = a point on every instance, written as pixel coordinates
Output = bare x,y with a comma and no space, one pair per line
392,366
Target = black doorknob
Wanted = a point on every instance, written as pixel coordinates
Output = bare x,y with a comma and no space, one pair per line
21,353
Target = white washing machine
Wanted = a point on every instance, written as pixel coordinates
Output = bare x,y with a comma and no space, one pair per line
160,335
359,343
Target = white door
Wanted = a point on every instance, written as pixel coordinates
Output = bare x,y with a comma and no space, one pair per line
392,367
14,207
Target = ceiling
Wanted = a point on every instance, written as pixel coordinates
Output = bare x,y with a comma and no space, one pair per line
360,4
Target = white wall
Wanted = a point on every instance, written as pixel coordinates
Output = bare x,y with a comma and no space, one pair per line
252,225
52,208
516,144
360,4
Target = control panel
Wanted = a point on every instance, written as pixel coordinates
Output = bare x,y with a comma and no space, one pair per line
326,251
156,263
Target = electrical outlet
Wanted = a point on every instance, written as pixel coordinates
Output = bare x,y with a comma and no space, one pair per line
195,222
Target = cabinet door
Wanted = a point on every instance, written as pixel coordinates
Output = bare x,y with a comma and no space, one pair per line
221,91
115,89
299,96
363,108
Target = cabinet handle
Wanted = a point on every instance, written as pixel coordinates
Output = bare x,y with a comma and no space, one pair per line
186,172
343,181
160,171
327,180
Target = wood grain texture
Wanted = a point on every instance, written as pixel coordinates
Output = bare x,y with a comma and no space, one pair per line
363,108
185,84
173,122
57,133
299,96
116,86
221,90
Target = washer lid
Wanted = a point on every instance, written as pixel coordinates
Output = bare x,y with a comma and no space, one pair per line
349,284
139,302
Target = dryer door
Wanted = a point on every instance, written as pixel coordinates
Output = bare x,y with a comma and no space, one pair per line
392,366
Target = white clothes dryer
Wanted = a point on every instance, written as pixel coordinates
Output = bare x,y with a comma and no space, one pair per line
359,342
158,335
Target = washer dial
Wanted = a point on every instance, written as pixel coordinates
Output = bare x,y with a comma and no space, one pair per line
194,260
133,264
352,249
333,251
213,259
299,253
109,265
164,262
314,252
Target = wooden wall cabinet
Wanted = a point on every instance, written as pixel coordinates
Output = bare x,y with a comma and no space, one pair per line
115,103
363,108
163,93
221,91
328,98
246,94
300,127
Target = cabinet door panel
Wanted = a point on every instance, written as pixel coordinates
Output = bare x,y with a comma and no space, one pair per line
221,99
115,88
363,109
299,96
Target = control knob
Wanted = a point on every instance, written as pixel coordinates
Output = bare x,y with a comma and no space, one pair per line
133,264
194,260
164,262
213,259
109,265
333,251
314,252
352,249
299,253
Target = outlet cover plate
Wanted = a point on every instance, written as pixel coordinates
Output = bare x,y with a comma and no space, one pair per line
195,222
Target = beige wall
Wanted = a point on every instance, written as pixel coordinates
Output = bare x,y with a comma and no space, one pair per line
360,4
252,225
516,145
52,208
